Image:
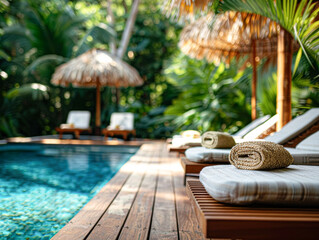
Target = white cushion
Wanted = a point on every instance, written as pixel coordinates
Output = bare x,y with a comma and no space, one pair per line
251,126
79,119
122,121
261,128
205,155
295,127
202,154
180,141
297,185
304,157
310,143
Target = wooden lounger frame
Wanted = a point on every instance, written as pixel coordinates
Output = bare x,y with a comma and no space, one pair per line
75,131
171,148
113,132
218,220
193,168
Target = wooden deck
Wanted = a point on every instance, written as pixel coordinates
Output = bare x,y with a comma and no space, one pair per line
146,199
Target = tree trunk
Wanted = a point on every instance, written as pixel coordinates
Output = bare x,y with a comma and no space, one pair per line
126,38
284,62
111,20
128,29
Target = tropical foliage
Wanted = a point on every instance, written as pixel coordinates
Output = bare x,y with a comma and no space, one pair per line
38,35
300,18
212,97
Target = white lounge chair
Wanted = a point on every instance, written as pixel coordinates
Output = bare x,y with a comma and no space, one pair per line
256,129
77,122
122,123
297,126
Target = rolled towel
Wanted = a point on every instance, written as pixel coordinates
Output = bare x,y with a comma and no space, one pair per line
259,155
213,139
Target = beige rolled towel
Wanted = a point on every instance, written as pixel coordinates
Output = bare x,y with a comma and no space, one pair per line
259,155
213,139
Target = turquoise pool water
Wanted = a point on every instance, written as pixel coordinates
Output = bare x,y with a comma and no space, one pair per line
43,187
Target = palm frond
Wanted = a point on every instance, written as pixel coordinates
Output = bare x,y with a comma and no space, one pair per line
46,59
297,17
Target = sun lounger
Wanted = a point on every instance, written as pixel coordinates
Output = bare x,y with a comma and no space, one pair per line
122,123
219,220
77,122
304,153
297,129
258,128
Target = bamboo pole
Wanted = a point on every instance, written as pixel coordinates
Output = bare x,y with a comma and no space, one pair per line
98,106
284,62
254,82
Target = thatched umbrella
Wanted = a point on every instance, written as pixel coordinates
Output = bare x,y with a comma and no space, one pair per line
96,68
285,48
232,35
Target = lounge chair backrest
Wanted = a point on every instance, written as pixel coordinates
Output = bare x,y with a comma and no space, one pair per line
261,129
295,127
80,119
249,127
310,143
122,120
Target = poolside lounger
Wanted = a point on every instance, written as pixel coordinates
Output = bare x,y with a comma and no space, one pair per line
122,123
219,220
304,125
297,129
305,153
258,128
77,122
275,191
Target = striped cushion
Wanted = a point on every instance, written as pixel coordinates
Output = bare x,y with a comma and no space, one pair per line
205,155
304,157
295,185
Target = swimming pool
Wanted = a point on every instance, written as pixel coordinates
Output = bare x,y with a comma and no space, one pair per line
43,186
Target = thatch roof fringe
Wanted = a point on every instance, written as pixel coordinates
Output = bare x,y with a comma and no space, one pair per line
96,67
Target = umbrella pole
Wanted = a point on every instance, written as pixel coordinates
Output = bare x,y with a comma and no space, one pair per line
254,83
98,110
284,61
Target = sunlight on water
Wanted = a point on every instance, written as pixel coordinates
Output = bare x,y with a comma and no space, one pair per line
42,188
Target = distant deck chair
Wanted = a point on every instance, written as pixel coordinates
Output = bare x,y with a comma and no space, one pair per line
258,128
290,135
122,123
77,122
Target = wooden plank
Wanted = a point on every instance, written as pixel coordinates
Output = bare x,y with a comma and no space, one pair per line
139,220
221,220
80,226
110,225
164,223
188,225
111,222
